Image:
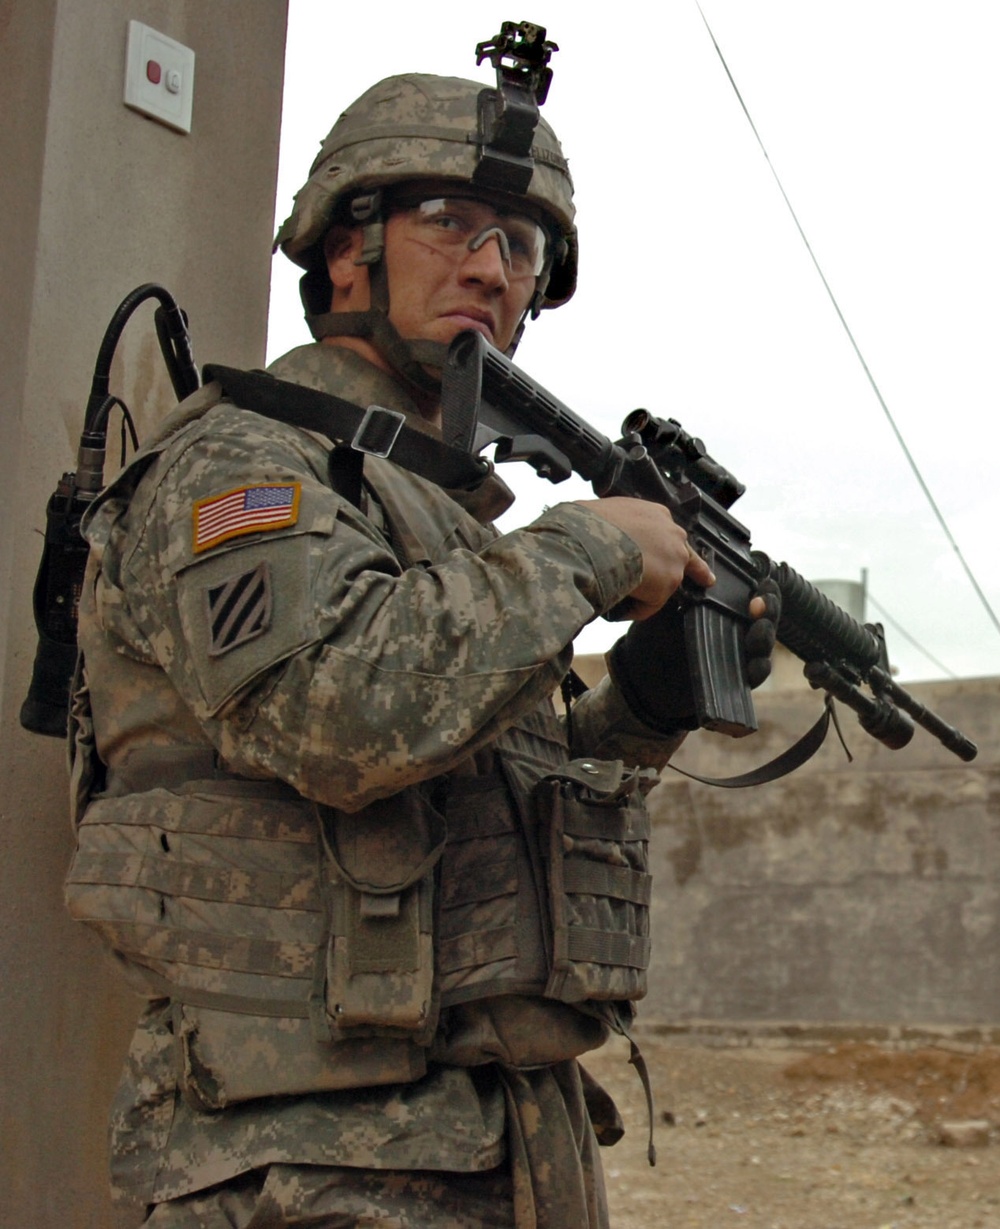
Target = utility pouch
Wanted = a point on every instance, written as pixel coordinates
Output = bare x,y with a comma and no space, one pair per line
380,865
226,1057
595,843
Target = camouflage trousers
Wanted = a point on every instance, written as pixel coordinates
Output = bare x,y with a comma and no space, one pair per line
552,1179
286,1196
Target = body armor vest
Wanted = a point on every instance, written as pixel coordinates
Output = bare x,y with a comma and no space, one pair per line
486,914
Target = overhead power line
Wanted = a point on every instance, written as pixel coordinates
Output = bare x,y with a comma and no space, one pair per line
906,636
857,350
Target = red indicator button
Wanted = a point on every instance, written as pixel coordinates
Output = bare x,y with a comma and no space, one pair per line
153,72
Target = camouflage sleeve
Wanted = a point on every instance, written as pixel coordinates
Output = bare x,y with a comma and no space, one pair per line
310,655
605,727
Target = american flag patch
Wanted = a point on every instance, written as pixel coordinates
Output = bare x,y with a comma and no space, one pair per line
248,509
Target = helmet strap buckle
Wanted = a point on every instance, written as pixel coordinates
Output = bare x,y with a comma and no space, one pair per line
366,211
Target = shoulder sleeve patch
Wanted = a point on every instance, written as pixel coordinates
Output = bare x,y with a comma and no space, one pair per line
239,609
247,509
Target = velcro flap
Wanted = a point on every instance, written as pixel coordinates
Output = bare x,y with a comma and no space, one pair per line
601,779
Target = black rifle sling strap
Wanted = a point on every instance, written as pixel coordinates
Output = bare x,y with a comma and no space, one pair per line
795,756
345,471
358,432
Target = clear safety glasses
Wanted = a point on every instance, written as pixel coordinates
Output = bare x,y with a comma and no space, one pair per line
454,224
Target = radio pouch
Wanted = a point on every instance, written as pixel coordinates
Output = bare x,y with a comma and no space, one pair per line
380,870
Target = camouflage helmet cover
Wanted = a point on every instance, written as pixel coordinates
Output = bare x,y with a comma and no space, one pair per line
422,127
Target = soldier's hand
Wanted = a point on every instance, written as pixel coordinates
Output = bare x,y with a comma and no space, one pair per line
667,557
649,664
758,643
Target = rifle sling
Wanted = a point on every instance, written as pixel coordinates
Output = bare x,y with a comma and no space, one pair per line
795,756
351,425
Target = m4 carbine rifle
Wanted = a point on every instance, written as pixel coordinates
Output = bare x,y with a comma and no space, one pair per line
488,401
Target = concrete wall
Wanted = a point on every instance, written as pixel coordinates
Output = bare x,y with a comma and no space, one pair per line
847,892
95,200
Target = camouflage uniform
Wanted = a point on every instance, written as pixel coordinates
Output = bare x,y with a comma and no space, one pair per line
387,650
295,705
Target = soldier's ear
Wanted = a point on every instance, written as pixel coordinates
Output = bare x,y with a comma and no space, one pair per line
342,248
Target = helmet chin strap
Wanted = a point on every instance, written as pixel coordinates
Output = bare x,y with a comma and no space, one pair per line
374,325
406,358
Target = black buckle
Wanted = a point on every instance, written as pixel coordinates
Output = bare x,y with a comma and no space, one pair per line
378,431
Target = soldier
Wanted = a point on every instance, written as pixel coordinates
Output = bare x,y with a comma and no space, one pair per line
328,819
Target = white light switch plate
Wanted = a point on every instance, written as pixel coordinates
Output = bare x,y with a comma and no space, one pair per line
159,77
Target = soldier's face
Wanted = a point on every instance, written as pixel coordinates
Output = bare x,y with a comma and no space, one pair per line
435,290
436,293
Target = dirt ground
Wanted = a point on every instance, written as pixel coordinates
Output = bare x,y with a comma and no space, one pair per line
853,1136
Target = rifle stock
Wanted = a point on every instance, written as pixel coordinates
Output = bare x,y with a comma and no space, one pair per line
487,400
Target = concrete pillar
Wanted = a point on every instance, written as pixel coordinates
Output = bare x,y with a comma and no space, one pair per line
96,199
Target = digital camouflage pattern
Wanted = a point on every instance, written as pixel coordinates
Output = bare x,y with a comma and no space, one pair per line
551,1179
461,646
164,1146
397,647
418,126
296,1195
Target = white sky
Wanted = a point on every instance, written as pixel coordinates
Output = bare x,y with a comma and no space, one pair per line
698,299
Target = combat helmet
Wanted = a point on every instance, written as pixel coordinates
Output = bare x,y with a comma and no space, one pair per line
422,127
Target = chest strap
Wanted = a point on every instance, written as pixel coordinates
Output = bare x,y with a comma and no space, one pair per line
374,431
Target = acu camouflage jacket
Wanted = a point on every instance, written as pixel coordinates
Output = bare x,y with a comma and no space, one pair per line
321,728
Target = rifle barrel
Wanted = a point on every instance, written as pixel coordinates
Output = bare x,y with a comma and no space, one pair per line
947,735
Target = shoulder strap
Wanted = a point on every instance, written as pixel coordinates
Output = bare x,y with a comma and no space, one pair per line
376,431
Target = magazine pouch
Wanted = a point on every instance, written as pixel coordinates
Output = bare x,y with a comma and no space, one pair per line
594,829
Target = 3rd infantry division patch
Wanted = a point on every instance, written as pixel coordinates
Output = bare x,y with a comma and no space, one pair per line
239,609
